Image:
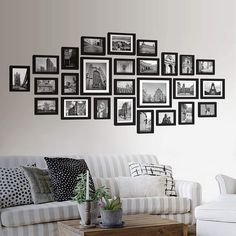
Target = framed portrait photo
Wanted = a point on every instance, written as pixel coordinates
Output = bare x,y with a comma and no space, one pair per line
102,108
124,66
43,86
165,117
147,66
205,67
169,64
95,76
121,43
154,92
46,106
212,88
45,64
146,47
124,87
186,113
186,65
69,83
93,45
70,58
207,109
145,121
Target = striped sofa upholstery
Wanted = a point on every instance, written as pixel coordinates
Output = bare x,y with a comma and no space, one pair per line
34,220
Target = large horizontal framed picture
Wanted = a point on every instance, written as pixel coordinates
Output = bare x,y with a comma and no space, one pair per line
186,113
121,43
205,67
147,66
43,86
169,64
185,88
207,109
102,108
154,92
186,65
19,78
95,76
70,58
45,64
166,117
124,111
124,87
46,106
75,108
145,121
212,88
124,66
69,83
146,47
93,45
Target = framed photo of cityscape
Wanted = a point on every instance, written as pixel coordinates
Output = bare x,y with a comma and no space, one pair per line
69,83
43,86
45,106
121,43
19,78
95,76
185,88
145,121
147,66
207,109
154,92
205,67
124,66
166,117
45,64
186,64
146,47
212,88
102,108
169,64
70,58
93,45
124,87
186,113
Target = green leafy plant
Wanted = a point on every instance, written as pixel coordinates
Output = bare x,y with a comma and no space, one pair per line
110,204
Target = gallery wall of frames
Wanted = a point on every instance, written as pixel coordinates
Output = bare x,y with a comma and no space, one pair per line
141,95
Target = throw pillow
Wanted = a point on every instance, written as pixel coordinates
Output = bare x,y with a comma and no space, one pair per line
63,173
140,169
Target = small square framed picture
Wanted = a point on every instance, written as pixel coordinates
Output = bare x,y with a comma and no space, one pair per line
146,47
207,109
147,66
145,121
102,108
19,78
169,64
205,67
186,113
46,106
69,83
185,88
165,117
186,65
124,66
45,64
124,87
70,58
93,45
43,86
212,88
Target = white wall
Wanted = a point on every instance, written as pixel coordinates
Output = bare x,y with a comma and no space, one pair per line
205,28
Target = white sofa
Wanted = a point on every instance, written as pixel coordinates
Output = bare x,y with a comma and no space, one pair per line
41,219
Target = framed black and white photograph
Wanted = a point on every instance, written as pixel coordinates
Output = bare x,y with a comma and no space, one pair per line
186,113
147,48
145,121
19,78
185,88
154,92
124,66
205,67
207,109
73,108
124,111
46,106
166,117
69,83
186,65
147,66
124,87
93,45
102,108
121,43
45,64
169,64
70,58
95,77
43,86
212,88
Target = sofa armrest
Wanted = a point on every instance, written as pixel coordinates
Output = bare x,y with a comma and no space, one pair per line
227,185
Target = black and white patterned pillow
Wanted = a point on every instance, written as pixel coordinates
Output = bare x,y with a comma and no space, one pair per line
140,169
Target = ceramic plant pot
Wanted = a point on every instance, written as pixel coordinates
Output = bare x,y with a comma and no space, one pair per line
94,212
111,217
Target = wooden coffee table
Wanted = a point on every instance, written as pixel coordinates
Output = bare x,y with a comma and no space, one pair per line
135,225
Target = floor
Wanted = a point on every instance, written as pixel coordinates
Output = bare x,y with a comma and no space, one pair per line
192,230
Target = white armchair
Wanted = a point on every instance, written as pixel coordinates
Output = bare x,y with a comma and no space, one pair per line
227,185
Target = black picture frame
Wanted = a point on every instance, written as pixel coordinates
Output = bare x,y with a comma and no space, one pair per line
186,65
69,83
104,112
89,45
145,67
167,119
186,114
70,58
45,70
210,109
46,108
214,92
118,66
145,124
127,90
201,71
47,88
119,48
147,49
19,78
169,67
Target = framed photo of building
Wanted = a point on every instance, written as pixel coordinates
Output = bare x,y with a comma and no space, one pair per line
121,43
124,87
145,121
147,66
124,66
75,108
69,83
43,86
102,108
186,113
166,117
45,64
93,45
169,64
146,47
186,65
19,78
70,58
207,109
95,76
154,92
124,111
185,88
212,88
46,106
205,67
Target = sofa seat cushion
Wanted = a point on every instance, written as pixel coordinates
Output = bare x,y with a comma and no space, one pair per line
41,213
